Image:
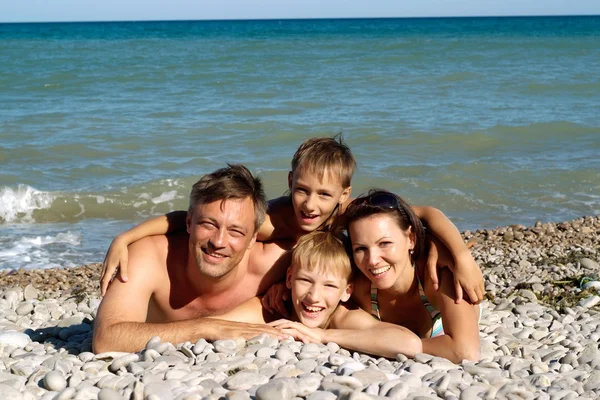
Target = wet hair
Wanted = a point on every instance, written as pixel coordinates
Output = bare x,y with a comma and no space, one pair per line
323,250
326,155
232,182
400,211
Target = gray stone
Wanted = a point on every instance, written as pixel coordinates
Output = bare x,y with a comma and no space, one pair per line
109,394
30,293
279,389
322,395
55,381
244,380
16,339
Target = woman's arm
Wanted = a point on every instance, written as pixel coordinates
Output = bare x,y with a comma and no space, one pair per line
117,254
467,274
461,338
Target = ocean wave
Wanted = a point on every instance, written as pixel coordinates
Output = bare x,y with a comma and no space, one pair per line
26,204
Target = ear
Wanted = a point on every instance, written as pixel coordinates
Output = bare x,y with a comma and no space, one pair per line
288,277
411,238
290,180
252,241
347,292
345,195
188,221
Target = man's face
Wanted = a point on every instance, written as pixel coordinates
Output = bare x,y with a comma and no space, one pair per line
220,233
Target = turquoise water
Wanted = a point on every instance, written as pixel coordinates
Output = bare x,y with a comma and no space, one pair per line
493,120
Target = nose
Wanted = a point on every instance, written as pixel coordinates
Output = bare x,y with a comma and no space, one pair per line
373,258
310,203
218,239
313,294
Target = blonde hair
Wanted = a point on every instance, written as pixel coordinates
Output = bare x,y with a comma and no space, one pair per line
326,155
324,250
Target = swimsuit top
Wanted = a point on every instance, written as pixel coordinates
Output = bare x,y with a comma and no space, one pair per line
436,316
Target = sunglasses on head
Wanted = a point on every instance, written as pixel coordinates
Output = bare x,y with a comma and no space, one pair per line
383,200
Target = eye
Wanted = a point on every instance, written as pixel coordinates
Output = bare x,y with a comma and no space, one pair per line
300,190
385,244
359,249
207,224
236,233
325,194
331,285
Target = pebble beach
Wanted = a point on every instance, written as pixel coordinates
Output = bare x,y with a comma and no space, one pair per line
540,331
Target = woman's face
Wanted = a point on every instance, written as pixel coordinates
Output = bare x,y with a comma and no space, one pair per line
380,249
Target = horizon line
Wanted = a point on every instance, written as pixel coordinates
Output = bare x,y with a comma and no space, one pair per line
302,19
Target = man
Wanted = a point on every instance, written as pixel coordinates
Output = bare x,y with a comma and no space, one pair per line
175,282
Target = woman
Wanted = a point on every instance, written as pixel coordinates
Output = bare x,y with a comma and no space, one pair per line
387,245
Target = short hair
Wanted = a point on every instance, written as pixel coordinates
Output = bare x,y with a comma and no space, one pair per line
326,154
404,216
232,182
324,250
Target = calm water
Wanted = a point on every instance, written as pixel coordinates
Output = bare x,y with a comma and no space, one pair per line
493,120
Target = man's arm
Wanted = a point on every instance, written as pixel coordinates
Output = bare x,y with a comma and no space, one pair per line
121,325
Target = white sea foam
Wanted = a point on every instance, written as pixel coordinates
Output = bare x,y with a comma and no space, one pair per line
19,204
32,252
166,196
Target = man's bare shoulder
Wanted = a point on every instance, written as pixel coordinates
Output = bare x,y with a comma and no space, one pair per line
153,253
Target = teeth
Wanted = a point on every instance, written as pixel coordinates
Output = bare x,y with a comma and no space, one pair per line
308,215
379,271
216,255
312,308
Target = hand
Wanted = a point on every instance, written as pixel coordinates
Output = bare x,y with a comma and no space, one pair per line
300,332
248,331
432,264
468,276
116,257
275,298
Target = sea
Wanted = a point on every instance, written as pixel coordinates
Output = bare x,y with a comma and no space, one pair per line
495,121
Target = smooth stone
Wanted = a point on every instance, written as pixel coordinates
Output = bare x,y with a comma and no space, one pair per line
16,339
109,394
284,354
227,346
348,368
24,309
370,376
321,395
55,381
30,292
589,301
8,392
308,384
279,389
245,380
123,361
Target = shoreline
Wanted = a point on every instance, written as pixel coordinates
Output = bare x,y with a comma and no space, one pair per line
539,338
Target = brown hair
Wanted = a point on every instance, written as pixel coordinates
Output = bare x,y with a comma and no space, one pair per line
326,155
401,212
232,182
324,250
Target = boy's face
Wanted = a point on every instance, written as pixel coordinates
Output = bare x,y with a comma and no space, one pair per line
316,294
314,200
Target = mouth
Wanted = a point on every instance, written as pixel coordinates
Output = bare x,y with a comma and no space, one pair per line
213,255
377,272
308,218
311,311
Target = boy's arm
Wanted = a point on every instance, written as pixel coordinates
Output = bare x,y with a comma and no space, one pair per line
359,331
117,254
277,221
467,274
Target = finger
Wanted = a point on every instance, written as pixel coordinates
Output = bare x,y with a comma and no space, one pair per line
472,293
459,291
123,270
433,275
265,304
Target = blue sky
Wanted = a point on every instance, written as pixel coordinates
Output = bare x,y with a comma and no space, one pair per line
111,10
